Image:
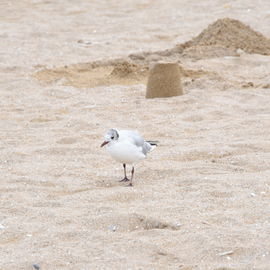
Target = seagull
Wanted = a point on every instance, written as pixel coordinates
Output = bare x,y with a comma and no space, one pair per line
127,147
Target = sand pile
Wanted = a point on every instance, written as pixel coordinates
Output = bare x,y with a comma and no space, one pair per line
219,39
222,38
95,74
124,69
233,34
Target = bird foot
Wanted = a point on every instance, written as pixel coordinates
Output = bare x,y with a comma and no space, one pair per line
129,185
124,180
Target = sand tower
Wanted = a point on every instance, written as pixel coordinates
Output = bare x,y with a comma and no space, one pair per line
164,81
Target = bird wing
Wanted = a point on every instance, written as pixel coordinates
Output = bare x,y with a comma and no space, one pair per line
135,138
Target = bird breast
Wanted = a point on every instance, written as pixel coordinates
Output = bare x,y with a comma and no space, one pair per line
125,152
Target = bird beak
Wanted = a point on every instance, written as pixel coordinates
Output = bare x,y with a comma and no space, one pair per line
104,143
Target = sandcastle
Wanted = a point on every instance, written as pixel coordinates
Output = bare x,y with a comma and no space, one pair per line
164,81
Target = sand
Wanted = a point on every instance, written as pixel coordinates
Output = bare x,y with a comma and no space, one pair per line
164,81
69,71
231,33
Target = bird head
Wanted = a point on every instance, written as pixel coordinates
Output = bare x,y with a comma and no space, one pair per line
110,137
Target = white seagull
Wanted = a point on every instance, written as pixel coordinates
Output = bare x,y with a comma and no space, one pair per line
127,147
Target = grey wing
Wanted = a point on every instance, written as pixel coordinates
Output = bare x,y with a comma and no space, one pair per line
146,147
140,142
135,137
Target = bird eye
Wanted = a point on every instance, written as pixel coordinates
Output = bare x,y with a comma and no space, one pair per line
112,137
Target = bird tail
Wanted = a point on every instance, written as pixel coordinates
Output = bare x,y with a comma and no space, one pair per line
153,144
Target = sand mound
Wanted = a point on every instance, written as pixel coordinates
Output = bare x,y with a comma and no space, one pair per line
230,33
219,39
204,52
124,69
131,222
95,74
222,38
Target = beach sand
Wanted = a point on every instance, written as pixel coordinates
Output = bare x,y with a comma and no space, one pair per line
70,70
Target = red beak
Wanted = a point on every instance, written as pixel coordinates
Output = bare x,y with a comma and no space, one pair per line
104,143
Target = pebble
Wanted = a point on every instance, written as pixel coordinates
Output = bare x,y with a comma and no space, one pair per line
36,266
112,228
230,252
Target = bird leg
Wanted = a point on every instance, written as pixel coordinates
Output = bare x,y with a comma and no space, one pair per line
132,174
125,179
